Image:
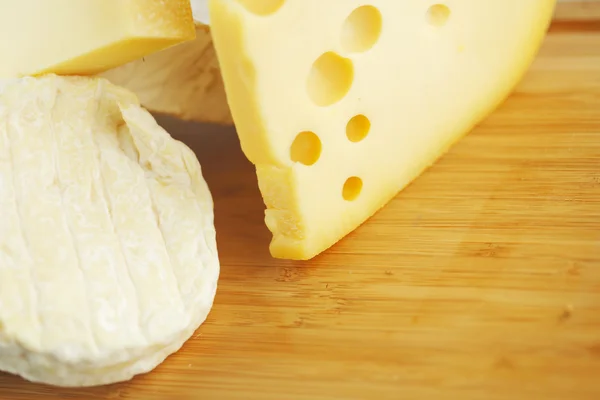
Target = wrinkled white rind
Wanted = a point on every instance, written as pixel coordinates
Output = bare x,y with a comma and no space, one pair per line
200,11
108,256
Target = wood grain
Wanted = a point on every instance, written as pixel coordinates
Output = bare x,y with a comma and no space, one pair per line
479,281
577,10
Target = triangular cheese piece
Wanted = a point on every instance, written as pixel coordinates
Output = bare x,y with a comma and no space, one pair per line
340,104
84,37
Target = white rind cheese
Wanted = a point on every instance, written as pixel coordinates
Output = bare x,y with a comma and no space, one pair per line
200,11
108,256
183,81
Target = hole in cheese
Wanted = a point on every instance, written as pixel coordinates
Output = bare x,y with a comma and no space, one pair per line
438,14
358,128
361,29
261,7
352,188
329,79
306,148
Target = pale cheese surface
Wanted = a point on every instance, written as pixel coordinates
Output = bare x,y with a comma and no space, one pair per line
108,256
340,104
200,11
85,37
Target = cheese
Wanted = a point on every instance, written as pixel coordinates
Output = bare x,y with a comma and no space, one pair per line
341,104
200,11
183,81
87,37
108,257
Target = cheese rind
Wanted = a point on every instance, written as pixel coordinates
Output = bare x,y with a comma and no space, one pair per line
87,37
183,81
200,11
108,257
421,73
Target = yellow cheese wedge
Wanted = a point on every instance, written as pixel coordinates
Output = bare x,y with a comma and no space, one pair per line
87,36
340,104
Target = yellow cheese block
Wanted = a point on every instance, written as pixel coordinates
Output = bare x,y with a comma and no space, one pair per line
87,36
340,104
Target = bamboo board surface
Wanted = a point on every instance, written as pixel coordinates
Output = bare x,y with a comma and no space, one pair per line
479,281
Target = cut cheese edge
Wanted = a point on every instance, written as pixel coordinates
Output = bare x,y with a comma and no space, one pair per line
183,81
87,37
108,257
340,105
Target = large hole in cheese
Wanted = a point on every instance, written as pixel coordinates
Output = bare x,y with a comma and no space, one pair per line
306,148
438,14
329,79
261,7
352,188
358,128
361,29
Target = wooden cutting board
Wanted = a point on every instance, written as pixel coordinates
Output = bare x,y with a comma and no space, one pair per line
479,281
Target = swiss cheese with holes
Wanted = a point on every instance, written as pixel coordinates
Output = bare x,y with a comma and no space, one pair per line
340,104
108,257
87,36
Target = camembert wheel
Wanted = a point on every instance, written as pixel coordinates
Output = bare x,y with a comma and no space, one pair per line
108,256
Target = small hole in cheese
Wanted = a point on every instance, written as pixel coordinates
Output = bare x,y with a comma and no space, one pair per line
361,29
352,188
329,79
358,128
306,148
438,14
261,7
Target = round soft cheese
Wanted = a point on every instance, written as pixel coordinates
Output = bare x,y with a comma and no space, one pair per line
108,256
